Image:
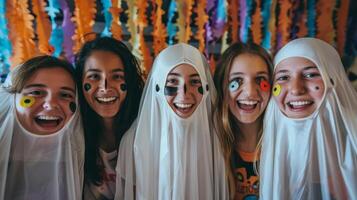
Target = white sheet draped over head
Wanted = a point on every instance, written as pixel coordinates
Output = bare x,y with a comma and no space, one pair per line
314,157
175,158
39,167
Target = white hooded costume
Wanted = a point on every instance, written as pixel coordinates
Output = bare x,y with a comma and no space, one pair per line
313,157
174,158
39,166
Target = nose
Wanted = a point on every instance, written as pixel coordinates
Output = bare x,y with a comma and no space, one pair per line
50,103
182,91
104,85
251,89
296,86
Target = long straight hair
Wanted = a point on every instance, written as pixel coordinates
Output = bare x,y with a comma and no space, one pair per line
225,123
92,122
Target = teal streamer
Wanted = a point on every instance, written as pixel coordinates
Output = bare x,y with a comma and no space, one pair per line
107,4
171,27
266,16
56,38
5,44
311,18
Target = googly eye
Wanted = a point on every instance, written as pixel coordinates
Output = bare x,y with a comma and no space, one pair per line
233,85
276,90
27,101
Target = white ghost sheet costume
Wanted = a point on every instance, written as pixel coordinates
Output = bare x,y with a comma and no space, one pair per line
313,157
174,158
39,166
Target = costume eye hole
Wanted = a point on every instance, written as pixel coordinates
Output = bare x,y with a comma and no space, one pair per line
234,85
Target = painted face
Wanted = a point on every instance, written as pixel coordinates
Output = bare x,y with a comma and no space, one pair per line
301,87
183,90
104,85
44,105
248,87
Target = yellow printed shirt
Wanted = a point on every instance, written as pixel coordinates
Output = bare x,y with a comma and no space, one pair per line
247,181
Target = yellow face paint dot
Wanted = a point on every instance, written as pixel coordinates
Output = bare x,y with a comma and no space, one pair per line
276,90
27,101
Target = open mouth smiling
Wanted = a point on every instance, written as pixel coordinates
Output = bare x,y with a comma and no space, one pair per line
299,105
183,107
247,105
48,121
106,100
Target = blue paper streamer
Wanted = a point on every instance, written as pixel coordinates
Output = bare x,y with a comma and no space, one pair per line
220,19
266,16
5,44
311,18
248,21
107,4
171,27
56,38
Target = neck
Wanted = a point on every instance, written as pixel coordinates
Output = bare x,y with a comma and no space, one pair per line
249,135
107,136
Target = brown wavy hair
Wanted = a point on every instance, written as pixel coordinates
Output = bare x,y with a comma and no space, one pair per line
224,121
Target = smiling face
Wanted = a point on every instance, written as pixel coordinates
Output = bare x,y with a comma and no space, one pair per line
47,101
183,90
104,85
301,87
248,87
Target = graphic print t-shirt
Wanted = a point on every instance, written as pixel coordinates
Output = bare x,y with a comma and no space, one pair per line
247,181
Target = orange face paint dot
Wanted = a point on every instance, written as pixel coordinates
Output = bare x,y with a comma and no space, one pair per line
264,86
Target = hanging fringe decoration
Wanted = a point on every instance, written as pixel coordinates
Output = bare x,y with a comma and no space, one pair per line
56,38
43,27
341,25
284,23
233,23
184,20
68,31
302,29
115,10
5,44
220,18
159,33
266,10
171,27
245,19
256,23
147,59
84,15
311,17
21,31
133,28
107,4
201,20
324,23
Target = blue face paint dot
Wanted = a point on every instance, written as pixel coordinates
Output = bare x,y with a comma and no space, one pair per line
233,86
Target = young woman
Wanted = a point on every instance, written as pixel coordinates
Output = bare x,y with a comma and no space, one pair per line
242,79
176,153
41,138
309,148
110,80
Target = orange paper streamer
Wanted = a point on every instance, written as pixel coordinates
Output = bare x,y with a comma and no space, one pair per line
159,34
184,19
21,33
201,20
325,30
43,27
284,23
256,26
233,10
302,23
142,21
341,25
272,27
84,15
115,28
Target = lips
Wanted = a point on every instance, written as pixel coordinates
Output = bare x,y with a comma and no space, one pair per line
299,105
247,105
183,107
106,100
48,121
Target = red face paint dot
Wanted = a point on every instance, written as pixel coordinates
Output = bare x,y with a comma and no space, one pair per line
264,86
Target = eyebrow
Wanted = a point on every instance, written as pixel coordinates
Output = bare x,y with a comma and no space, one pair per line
177,74
240,73
310,67
97,70
43,86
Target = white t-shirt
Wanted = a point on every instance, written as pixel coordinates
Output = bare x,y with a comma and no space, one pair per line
106,190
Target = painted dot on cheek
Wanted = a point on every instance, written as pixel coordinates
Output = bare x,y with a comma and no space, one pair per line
27,102
200,90
87,87
317,88
123,87
264,86
73,107
276,90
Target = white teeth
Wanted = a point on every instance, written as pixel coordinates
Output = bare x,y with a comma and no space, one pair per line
247,102
45,117
183,105
106,99
299,103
